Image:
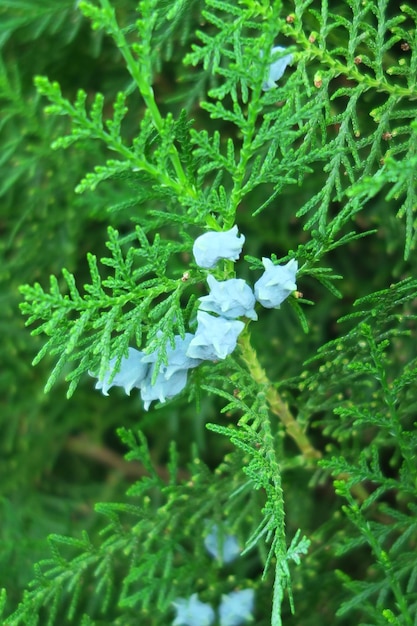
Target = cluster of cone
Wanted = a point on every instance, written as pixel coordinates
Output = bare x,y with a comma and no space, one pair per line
235,608
217,325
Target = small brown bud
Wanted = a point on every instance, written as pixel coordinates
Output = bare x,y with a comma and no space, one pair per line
405,46
290,18
357,60
185,277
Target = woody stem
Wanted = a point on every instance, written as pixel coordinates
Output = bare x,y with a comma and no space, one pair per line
276,403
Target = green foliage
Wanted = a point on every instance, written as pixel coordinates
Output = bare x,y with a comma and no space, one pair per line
148,123
112,311
371,385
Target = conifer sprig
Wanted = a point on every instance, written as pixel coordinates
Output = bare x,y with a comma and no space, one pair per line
297,164
140,68
379,406
93,127
91,328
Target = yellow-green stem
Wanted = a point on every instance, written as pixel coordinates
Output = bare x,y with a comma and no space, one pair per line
276,403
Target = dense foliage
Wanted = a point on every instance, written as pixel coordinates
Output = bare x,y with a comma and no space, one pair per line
287,430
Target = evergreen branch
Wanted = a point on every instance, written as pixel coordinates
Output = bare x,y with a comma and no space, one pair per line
92,127
339,124
358,33
264,472
382,557
138,541
380,406
400,176
141,71
81,327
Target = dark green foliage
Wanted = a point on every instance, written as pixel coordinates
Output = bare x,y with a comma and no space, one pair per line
129,129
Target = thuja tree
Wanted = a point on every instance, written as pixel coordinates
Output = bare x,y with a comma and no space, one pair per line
224,193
